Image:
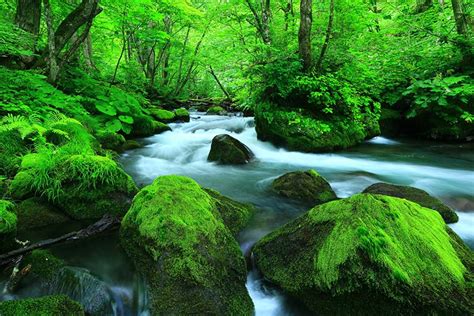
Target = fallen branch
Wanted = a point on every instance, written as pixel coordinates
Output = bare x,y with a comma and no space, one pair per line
106,223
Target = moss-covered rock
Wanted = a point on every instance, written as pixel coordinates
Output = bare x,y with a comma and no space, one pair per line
227,150
190,260
369,255
297,129
131,144
112,141
216,110
415,195
235,215
35,213
44,266
182,115
162,115
308,187
57,305
8,226
83,186
144,126
11,149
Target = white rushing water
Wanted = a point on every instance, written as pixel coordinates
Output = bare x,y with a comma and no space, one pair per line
446,172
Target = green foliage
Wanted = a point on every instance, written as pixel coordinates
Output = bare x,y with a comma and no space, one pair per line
58,305
449,99
8,218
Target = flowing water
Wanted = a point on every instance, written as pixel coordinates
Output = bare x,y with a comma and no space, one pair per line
444,170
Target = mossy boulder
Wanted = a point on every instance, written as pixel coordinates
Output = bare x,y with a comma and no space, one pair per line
83,186
144,126
8,226
35,213
44,266
12,148
162,115
370,255
190,260
297,129
235,215
227,150
305,186
216,110
415,195
131,144
182,115
57,305
112,141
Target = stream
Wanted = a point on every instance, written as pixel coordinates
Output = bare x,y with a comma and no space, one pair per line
444,170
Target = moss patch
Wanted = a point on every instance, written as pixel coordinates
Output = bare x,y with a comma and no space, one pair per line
162,115
182,115
216,110
308,187
35,213
297,129
235,215
190,260
415,195
58,305
44,265
227,150
375,253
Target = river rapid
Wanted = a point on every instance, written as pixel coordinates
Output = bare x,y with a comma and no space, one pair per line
444,170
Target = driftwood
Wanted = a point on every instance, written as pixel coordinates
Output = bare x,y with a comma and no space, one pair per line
106,223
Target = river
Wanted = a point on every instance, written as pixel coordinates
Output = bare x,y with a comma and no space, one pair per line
444,170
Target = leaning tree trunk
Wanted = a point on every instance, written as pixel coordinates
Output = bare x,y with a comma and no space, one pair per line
53,68
304,34
266,16
28,15
328,36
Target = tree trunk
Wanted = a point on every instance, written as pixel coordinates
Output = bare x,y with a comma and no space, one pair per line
53,68
219,83
28,15
87,52
328,36
266,16
304,34
423,5
463,27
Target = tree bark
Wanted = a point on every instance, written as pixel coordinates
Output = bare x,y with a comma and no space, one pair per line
328,36
52,62
28,15
87,52
219,83
304,34
463,28
266,16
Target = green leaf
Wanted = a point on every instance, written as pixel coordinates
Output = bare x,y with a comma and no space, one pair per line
126,119
113,126
105,108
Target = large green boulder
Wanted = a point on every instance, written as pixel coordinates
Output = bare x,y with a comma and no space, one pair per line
83,186
190,260
8,226
162,115
370,255
415,195
236,215
297,129
182,115
57,305
35,213
305,186
12,148
144,126
227,150
216,110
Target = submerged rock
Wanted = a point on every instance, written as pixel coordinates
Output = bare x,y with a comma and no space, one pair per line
227,150
235,215
308,187
182,115
144,126
36,213
415,195
83,186
297,129
8,226
162,115
57,305
191,262
370,255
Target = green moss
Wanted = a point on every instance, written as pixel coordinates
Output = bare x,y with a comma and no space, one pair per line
162,115
415,195
159,127
235,215
297,129
376,253
111,141
84,186
131,144
216,110
43,264
12,148
58,305
187,255
308,187
227,150
8,226
35,213
182,115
